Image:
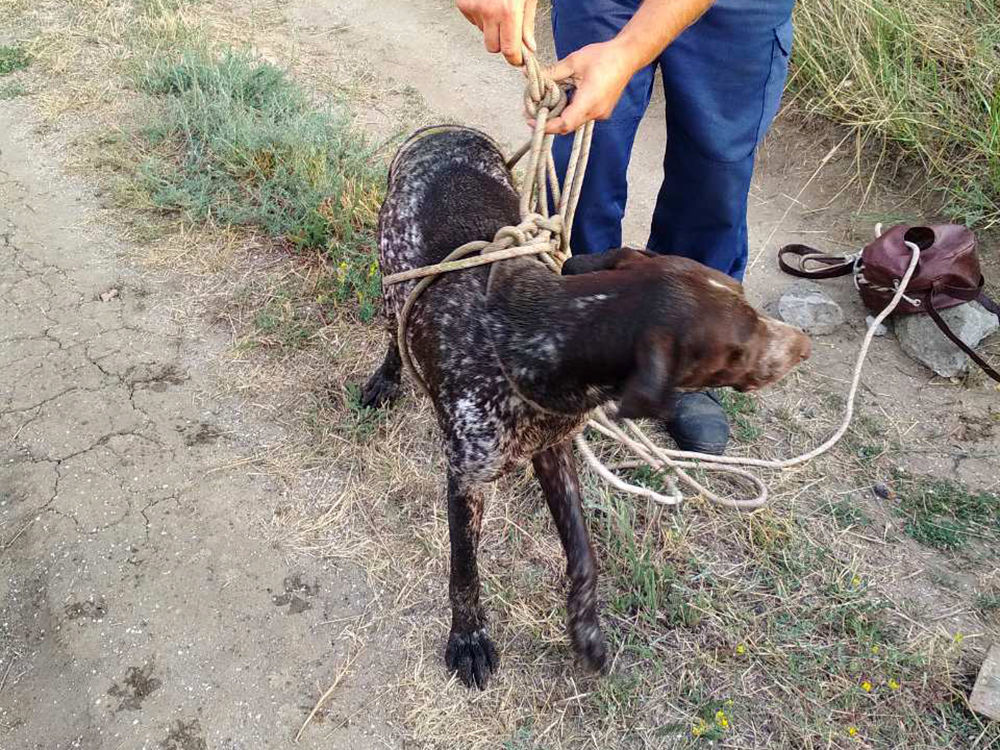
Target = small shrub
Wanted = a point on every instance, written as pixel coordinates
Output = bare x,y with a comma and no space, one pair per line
239,143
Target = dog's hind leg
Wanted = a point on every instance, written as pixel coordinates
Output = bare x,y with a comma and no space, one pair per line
556,472
470,652
383,386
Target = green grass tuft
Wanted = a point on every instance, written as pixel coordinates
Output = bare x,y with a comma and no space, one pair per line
945,514
10,91
846,514
12,59
741,408
238,143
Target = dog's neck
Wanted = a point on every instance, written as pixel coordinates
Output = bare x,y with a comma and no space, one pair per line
565,344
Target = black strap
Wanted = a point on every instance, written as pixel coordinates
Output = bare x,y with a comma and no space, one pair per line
835,265
936,317
989,303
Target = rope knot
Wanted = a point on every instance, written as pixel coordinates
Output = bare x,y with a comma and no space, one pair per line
541,91
508,236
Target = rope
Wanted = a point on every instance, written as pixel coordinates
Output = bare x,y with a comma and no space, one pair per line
548,237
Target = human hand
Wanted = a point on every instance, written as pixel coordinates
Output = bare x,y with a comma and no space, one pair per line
599,72
505,24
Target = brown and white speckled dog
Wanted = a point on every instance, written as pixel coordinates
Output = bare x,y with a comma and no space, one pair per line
493,342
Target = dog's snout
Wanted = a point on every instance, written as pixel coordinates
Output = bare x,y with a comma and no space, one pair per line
786,348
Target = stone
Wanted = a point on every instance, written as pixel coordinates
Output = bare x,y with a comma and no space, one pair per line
882,330
805,305
924,341
985,697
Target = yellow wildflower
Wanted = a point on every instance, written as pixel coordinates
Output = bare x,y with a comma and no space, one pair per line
741,649
855,581
893,684
721,719
959,637
853,731
866,686
699,729
875,649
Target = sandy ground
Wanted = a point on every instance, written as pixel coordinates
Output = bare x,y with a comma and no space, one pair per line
144,605
141,608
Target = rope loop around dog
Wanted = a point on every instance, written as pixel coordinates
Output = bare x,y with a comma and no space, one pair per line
539,233
548,237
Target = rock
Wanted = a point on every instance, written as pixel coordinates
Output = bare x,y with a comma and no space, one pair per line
923,340
881,330
985,697
109,295
806,306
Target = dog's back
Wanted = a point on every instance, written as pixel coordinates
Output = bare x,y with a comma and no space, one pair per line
448,185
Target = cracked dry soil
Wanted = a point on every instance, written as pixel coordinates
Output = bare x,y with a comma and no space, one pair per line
138,608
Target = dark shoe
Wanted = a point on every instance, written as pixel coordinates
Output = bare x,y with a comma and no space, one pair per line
699,423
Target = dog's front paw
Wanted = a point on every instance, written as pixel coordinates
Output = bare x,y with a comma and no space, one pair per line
588,642
379,390
472,656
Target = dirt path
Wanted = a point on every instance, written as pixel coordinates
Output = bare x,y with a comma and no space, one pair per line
142,605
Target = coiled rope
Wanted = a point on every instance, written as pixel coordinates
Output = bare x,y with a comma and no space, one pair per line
548,237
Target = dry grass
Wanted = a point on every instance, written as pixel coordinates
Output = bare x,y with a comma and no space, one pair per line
815,623
781,611
919,75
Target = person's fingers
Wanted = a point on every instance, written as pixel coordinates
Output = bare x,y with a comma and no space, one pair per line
491,36
556,126
563,69
576,113
529,25
474,20
510,40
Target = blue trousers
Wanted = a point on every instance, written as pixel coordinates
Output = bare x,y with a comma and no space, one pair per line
723,78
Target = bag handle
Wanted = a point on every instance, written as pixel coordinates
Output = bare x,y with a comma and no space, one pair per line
989,303
833,265
936,317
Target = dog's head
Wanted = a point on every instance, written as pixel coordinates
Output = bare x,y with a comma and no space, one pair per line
694,329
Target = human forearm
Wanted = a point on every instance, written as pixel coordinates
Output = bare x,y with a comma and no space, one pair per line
654,26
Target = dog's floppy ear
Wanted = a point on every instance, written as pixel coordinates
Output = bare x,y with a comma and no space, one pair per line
648,391
602,261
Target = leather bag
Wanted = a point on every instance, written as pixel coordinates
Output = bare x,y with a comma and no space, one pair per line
948,273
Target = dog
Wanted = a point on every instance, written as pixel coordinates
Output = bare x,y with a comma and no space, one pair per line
515,357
